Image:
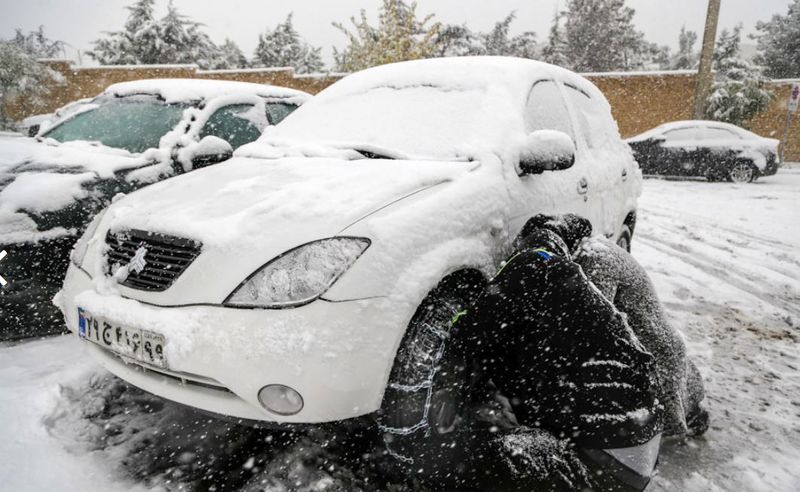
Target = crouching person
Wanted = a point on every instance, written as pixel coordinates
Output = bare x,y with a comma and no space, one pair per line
624,282
579,382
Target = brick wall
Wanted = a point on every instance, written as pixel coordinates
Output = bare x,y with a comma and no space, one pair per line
639,101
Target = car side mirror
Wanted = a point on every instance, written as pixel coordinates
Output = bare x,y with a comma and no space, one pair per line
210,150
546,150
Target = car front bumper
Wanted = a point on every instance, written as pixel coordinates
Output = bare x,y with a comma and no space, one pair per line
337,355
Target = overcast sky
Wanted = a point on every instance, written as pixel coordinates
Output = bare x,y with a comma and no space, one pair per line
78,22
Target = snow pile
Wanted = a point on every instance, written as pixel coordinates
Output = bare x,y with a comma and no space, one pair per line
536,453
32,460
26,154
43,192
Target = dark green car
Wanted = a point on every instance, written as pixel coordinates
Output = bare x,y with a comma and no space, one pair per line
132,135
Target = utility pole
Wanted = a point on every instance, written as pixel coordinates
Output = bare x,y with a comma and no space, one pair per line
704,76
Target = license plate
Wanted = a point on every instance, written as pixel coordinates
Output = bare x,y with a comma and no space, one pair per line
134,343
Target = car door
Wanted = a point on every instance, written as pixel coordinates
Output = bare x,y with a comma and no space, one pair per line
716,149
552,192
607,166
680,151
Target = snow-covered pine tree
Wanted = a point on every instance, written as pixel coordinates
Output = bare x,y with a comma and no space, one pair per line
147,40
497,41
228,55
136,44
599,35
21,75
779,44
555,50
37,44
739,92
399,36
686,57
283,47
454,40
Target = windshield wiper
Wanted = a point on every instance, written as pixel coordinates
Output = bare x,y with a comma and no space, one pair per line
373,155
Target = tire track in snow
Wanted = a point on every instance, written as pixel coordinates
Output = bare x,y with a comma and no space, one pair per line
751,285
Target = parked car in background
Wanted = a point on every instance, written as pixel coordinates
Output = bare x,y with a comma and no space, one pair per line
132,135
707,149
313,277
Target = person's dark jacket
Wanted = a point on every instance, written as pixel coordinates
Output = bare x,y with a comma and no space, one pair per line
560,352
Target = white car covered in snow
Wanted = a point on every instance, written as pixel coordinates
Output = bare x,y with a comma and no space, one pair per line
131,135
706,149
312,278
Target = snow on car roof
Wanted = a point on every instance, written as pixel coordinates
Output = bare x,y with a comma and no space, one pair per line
515,75
440,108
673,125
178,90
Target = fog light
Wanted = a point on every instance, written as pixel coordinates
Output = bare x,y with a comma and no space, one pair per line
280,399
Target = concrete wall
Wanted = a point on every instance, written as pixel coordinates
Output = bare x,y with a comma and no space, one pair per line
639,101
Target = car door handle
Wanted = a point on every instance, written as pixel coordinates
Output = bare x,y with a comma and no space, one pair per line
624,174
583,186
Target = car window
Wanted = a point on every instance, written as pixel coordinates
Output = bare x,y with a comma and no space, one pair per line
546,109
715,133
134,123
234,124
680,134
594,120
278,111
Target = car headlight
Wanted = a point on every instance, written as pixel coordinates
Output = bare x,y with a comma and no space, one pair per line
82,246
300,275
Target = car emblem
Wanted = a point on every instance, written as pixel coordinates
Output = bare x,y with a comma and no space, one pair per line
123,237
138,263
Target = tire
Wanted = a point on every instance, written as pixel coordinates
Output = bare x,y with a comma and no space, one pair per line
742,172
625,238
412,414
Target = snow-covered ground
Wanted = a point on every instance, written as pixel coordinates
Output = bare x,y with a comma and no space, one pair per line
723,257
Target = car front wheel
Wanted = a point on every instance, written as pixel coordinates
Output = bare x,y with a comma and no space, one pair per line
741,172
413,414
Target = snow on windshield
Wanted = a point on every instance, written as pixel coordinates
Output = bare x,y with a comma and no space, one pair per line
424,114
134,123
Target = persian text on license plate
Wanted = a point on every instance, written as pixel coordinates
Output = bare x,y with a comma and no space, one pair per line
141,345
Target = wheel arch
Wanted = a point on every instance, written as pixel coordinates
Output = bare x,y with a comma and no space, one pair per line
467,277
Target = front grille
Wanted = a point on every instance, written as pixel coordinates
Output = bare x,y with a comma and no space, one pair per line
165,258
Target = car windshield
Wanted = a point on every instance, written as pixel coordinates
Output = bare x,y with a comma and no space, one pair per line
417,121
134,123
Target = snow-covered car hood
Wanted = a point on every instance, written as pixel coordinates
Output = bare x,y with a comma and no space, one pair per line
38,177
77,156
247,211
233,203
